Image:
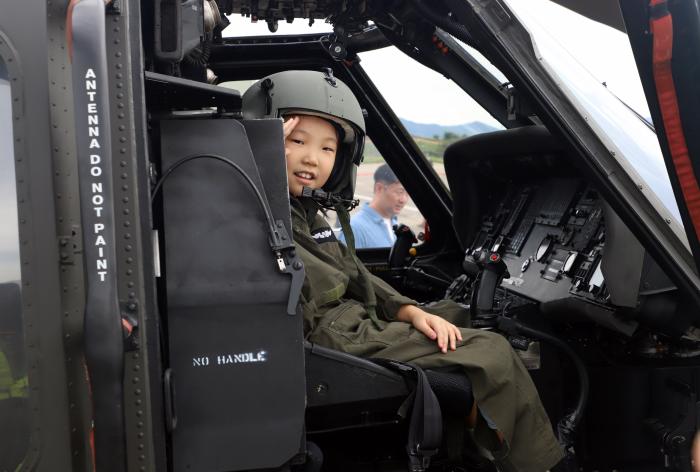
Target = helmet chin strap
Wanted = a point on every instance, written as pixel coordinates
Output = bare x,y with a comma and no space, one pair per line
329,200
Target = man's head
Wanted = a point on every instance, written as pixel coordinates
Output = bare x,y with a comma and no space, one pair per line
389,195
314,94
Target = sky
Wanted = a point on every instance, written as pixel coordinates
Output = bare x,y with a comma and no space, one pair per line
9,237
424,96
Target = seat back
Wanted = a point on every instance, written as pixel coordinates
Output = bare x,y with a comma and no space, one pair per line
236,355
477,166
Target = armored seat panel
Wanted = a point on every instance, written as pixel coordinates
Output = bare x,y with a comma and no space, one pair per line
232,346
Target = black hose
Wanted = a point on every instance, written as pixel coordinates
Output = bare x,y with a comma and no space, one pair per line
261,200
584,383
568,424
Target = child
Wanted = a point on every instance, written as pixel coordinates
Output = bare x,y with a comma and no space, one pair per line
348,309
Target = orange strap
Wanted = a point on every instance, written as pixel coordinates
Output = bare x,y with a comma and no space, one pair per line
661,25
128,327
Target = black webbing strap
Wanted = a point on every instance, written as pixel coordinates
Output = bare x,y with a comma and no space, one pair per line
425,427
370,299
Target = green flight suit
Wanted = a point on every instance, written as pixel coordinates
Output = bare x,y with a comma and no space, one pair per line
335,317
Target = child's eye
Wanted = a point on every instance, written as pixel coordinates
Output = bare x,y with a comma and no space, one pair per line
328,149
296,141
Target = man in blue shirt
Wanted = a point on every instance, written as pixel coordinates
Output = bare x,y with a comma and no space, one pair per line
373,224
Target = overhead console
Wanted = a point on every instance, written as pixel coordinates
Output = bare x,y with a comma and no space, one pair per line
519,199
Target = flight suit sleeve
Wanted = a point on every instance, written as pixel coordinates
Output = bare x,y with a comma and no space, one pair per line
388,299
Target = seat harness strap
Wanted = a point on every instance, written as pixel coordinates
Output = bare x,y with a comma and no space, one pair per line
425,427
370,299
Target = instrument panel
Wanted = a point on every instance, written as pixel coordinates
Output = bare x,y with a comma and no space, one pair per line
551,235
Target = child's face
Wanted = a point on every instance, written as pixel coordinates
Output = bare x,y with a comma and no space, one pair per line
310,149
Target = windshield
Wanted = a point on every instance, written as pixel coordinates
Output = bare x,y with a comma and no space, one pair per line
596,68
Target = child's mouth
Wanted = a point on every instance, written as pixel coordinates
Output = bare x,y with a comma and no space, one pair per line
304,177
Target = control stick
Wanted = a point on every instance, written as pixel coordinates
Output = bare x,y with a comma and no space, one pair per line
492,269
400,251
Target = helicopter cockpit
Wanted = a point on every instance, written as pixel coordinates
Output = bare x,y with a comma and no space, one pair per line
540,230
526,237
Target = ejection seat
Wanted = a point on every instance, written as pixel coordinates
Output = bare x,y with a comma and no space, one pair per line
243,388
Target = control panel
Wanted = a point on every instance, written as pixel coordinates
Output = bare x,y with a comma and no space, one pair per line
550,233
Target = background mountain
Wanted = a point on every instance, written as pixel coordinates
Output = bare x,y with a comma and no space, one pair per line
432,139
430,130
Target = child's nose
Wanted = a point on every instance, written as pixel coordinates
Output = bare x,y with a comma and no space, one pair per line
311,157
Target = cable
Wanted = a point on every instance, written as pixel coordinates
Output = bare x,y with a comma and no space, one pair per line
275,242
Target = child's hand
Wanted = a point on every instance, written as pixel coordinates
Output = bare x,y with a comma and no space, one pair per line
445,333
289,124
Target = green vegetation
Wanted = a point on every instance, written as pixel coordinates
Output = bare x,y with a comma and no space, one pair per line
372,155
433,148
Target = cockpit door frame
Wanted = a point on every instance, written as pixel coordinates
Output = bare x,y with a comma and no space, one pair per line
663,36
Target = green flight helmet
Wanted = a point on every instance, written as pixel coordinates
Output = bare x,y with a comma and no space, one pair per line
320,94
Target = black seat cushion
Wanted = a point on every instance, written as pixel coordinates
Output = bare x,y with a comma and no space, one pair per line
454,392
